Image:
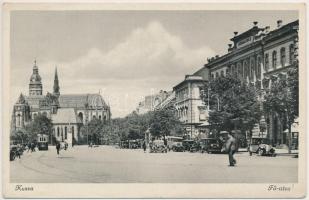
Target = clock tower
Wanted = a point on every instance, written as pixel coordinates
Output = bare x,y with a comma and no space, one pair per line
35,85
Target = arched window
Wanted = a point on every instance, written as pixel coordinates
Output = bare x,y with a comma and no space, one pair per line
93,117
258,68
239,69
217,74
58,132
282,56
274,57
245,69
100,117
222,73
104,118
18,120
266,62
65,133
212,76
34,115
252,66
80,116
227,71
291,53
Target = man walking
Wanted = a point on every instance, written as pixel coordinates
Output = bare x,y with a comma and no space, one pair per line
231,148
58,147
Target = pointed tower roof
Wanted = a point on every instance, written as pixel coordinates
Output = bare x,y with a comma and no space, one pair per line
21,99
56,84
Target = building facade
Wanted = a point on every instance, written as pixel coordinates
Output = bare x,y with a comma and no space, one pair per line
256,56
68,112
190,108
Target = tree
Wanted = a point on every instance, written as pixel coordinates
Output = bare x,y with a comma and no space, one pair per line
163,122
95,127
40,125
233,104
282,99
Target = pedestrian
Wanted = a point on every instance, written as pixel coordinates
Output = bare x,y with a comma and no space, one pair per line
29,146
165,142
65,145
144,146
58,147
32,147
231,147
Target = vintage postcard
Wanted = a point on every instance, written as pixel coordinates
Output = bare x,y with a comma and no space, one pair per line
162,100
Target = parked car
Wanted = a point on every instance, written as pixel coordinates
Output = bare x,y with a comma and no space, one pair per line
213,145
177,147
187,144
195,147
261,146
158,147
172,141
15,151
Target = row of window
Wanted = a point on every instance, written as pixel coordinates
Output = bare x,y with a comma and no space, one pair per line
60,131
243,70
282,57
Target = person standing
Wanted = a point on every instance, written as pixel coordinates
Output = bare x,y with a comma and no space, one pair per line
231,148
58,147
144,146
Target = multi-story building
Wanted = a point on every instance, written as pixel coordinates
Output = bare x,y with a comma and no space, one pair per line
68,112
255,56
189,106
150,102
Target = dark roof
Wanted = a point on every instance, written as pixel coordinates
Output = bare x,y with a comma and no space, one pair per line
81,100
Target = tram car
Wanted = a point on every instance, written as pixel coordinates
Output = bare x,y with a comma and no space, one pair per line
42,142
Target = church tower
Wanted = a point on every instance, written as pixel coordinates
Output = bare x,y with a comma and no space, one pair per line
35,85
56,85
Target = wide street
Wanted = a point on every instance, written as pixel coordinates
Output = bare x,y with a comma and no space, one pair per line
108,164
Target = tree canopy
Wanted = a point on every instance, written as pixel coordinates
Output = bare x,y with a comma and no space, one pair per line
233,104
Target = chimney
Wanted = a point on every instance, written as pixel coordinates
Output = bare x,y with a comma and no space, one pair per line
279,23
230,48
255,23
235,33
217,56
267,29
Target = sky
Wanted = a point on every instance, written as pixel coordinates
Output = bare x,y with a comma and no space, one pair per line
124,55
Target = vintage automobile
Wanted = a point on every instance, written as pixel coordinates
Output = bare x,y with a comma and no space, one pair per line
195,147
177,147
187,144
261,147
213,145
172,141
157,146
15,151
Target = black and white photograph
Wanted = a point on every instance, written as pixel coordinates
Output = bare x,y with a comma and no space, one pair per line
154,96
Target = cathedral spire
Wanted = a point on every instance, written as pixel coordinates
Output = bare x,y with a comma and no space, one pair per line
35,85
56,84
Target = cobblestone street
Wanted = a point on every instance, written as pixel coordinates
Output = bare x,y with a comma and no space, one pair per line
107,164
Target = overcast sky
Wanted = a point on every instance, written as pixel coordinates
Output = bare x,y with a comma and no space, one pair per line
125,54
